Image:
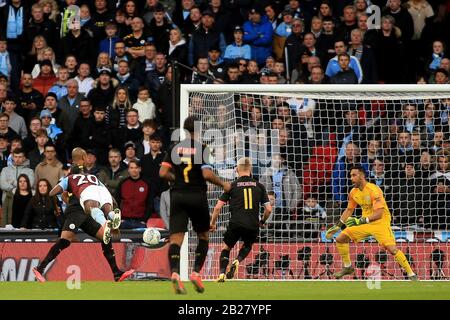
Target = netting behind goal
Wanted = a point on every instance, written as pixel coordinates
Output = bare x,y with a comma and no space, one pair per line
302,145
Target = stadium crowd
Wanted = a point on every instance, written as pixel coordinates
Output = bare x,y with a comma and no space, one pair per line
104,83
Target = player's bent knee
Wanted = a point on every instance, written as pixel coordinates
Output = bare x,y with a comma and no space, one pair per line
203,236
342,238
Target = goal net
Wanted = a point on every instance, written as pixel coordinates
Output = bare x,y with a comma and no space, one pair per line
302,141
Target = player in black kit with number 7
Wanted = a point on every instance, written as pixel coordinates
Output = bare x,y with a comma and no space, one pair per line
245,197
187,166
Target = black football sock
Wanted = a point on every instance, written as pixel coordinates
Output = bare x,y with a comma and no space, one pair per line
243,253
110,256
174,258
200,254
224,259
54,251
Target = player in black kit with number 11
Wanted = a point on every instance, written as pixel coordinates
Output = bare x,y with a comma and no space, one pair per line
245,197
187,166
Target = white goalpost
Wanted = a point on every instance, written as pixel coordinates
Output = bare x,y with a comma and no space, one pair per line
302,139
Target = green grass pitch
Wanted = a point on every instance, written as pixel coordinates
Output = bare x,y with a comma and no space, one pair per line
235,290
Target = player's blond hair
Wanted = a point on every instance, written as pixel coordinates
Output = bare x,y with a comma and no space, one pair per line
78,156
244,164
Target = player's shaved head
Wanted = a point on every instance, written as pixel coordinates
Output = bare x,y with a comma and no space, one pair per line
79,156
244,165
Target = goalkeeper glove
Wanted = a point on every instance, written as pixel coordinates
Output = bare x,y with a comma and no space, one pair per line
352,221
331,231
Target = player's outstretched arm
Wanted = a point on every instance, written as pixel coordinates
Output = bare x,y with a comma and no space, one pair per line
215,215
210,176
267,212
165,173
341,223
56,190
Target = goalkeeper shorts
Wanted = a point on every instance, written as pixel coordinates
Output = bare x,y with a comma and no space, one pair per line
380,231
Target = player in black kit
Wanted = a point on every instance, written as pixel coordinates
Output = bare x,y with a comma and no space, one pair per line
187,166
245,197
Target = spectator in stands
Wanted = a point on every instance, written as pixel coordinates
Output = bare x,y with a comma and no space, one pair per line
258,33
281,32
281,180
112,174
50,168
16,122
29,100
419,10
425,167
108,44
294,44
438,140
133,198
430,121
150,163
251,76
60,87
340,182
156,77
403,19
326,40
365,56
104,62
133,129
81,134
36,155
177,47
205,37
5,64
29,143
130,152
216,65
409,121
159,27
346,75
181,14
47,54
35,55
202,74
373,151
237,49
389,52
5,130
61,118
440,194
434,61
333,66
22,196
127,80
382,178
84,79
46,78
349,23
70,103
233,76
91,162
144,105
78,43
116,113
313,215
350,130
8,182
103,90
441,76
42,210
408,201
135,41
71,63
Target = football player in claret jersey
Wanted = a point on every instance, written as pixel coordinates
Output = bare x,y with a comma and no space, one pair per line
186,165
245,199
74,218
375,222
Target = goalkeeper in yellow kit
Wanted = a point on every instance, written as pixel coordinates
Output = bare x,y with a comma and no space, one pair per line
375,221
